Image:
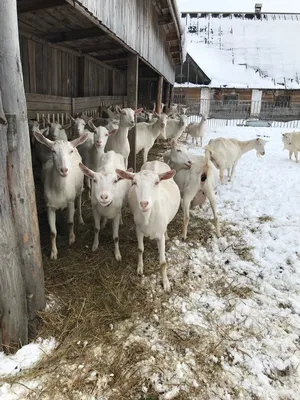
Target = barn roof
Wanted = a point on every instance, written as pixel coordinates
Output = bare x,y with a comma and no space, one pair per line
245,49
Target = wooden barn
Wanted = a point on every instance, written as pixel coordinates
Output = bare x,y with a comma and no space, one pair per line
77,55
238,67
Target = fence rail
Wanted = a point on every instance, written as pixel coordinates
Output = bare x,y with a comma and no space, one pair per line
281,112
57,108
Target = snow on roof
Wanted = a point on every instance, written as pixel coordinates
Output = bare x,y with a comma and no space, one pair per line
282,6
254,53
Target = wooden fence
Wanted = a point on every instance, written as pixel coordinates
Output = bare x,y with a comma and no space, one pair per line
57,108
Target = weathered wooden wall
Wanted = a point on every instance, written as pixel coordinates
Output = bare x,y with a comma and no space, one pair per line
48,70
136,23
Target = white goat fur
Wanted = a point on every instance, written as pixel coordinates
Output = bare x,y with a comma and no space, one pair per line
291,142
196,130
119,141
148,132
154,200
197,178
175,127
63,183
225,153
109,195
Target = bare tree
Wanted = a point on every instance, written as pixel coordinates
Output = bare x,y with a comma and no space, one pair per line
18,194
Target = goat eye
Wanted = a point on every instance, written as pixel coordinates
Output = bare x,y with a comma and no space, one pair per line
106,134
133,183
94,180
72,151
53,151
178,151
156,183
116,181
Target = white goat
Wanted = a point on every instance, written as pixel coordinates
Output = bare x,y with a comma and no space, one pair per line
92,153
196,130
148,132
109,195
196,177
225,153
154,199
63,183
291,142
175,127
119,141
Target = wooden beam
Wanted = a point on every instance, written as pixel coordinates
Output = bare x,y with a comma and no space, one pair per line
159,94
132,101
113,58
74,35
171,36
174,49
165,19
38,5
102,47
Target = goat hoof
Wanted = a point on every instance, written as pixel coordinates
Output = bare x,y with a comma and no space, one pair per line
81,222
183,239
95,247
140,271
53,255
118,257
167,287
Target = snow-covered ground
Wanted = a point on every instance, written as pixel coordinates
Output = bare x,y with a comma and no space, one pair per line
230,329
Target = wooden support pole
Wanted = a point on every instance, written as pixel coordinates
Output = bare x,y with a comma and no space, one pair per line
171,93
132,100
167,98
19,178
160,81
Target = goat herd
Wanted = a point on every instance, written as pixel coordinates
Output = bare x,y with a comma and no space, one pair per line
154,194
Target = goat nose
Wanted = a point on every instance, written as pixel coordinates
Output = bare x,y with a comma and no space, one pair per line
64,170
189,162
104,196
144,204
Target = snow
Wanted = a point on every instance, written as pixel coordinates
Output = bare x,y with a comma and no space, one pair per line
25,358
230,328
243,53
286,6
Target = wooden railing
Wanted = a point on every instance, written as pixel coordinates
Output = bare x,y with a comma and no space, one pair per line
57,108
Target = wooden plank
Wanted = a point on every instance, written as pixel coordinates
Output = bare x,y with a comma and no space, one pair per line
75,35
38,5
25,62
81,68
55,72
32,70
48,106
30,97
132,100
160,81
167,97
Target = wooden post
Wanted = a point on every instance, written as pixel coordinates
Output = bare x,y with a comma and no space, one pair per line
13,314
19,169
132,99
171,93
159,94
167,98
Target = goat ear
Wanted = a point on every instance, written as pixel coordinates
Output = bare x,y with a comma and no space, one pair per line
130,170
138,111
167,175
81,139
124,174
45,131
42,139
91,125
47,122
112,131
88,172
118,109
66,126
